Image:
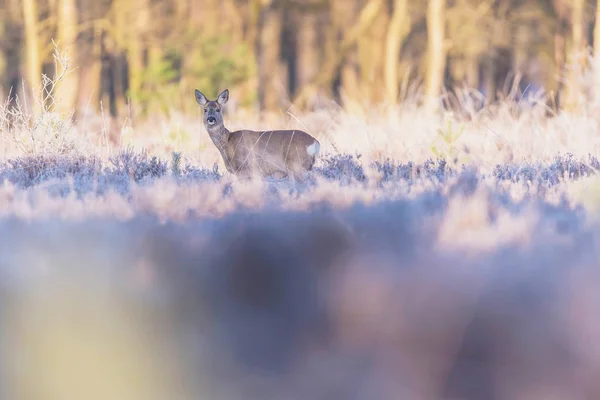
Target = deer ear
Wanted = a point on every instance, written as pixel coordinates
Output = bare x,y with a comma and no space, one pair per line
223,97
200,98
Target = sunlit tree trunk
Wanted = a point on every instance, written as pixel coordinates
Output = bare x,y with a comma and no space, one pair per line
89,76
343,14
397,31
67,35
576,56
372,57
436,54
560,49
32,45
269,78
135,48
89,57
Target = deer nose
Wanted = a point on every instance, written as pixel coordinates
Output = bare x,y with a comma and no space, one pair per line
211,120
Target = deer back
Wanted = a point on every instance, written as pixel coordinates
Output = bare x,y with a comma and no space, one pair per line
272,151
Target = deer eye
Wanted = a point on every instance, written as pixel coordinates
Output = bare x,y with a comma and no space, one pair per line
219,110
205,110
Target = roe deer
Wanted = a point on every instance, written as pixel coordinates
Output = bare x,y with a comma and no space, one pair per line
278,153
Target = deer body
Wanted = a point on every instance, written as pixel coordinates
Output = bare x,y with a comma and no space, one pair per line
277,153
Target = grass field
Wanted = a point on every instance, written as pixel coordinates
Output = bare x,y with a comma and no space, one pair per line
427,256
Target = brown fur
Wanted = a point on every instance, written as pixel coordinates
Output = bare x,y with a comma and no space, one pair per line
277,153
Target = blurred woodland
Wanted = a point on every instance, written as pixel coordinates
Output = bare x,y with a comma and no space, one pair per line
136,57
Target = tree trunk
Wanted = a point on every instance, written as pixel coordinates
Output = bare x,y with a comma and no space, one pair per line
397,31
333,60
32,45
436,53
330,48
268,56
67,35
13,44
114,58
372,58
308,45
135,50
90,62
576,56
343,16
290,21
560,50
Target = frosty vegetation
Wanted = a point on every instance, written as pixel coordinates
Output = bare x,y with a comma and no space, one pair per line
426,256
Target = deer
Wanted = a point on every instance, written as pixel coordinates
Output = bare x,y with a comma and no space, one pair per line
247,153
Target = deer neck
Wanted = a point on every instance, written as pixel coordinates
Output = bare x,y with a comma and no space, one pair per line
220,136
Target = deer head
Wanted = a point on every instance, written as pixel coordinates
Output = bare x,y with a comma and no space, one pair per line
213,115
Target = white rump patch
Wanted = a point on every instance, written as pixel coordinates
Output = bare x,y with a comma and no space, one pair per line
313,149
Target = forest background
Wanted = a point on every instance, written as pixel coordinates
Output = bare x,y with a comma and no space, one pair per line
134,58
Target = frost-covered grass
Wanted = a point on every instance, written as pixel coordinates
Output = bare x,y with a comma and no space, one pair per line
425,257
